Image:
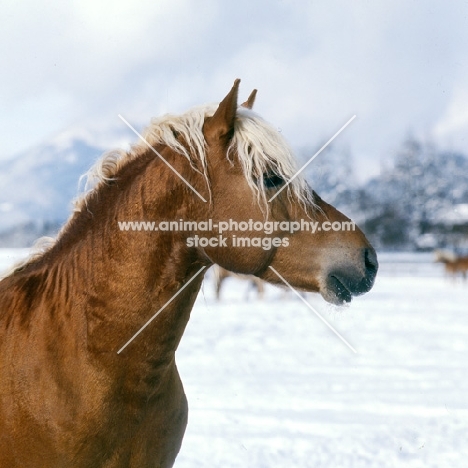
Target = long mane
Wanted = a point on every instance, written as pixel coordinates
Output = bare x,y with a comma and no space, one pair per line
259,147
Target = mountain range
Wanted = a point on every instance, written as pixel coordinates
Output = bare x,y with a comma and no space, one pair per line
37,186
421,184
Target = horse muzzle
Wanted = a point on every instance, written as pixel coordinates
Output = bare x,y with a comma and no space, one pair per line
348,280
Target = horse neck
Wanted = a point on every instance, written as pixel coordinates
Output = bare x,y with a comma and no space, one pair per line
127,276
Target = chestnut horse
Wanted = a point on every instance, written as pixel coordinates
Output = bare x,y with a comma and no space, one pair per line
453,264
68,396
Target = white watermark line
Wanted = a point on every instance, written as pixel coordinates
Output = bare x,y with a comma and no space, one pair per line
312,158
314,311
161,309
210,225
158,154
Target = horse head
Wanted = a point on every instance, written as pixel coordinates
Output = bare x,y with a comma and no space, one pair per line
248,162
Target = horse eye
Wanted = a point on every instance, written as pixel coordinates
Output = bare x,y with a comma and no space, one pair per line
272,180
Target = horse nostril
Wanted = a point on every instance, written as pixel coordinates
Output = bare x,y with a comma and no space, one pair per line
370,262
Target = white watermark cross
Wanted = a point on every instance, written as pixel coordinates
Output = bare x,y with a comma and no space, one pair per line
159,155
313,310
312,158
161,309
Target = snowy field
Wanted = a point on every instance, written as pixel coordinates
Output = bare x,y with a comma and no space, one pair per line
270,386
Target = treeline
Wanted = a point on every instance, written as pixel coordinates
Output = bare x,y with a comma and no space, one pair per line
405,206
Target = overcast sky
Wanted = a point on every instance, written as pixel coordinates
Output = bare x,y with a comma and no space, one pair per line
401,66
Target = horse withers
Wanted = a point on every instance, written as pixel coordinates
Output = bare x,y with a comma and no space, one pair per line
70,395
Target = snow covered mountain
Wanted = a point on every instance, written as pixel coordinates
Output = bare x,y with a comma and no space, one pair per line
38,186
40,183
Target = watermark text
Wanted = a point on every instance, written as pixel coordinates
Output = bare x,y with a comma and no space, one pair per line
200,230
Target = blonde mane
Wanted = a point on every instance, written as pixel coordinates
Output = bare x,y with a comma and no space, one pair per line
259,147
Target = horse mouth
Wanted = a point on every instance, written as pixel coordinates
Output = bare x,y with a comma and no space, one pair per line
337,292
341,288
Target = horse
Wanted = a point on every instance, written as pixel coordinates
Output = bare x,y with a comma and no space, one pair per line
446,258
221,274
453,264
70,394
461,266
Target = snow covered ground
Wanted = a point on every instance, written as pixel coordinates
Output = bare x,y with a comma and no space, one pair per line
270,386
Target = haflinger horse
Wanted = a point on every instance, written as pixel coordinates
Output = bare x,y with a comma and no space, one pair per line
68,396
453,264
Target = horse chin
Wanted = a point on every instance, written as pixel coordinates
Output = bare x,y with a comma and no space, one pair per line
340,287
336,292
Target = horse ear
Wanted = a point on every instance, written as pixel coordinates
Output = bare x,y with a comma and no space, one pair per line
221,124
250,101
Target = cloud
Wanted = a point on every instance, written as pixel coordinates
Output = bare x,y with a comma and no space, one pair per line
397,65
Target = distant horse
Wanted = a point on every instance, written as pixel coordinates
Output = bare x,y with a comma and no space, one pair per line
221,274
70,394
461,266
446,257
453,264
